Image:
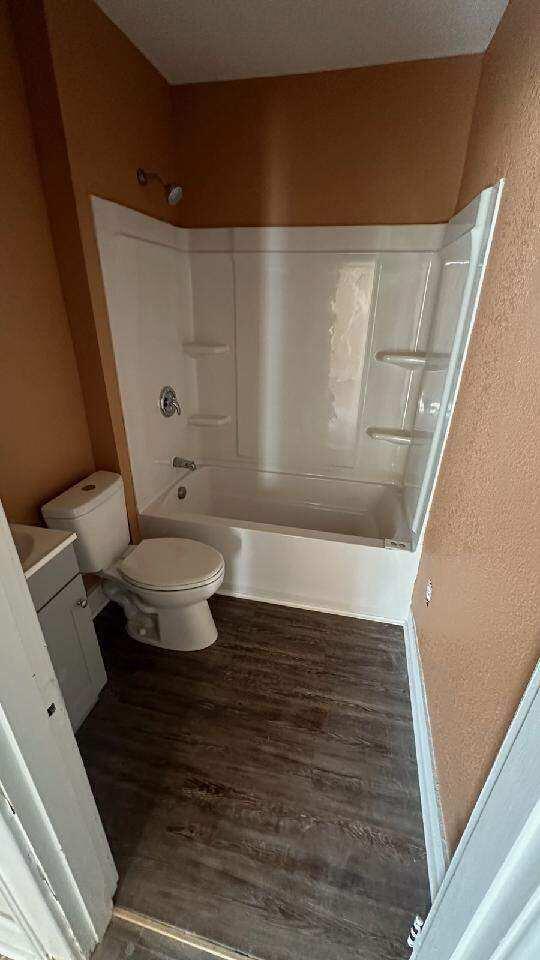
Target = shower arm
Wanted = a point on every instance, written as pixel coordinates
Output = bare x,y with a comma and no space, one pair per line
173,191
145,177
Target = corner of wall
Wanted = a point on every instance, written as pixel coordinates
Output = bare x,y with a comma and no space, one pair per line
45,112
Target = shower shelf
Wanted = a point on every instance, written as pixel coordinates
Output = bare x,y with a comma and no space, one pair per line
403,438
413,360
195,349
209,420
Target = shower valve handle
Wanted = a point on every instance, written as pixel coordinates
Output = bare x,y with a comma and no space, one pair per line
168,402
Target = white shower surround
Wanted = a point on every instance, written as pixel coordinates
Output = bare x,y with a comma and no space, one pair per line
276,335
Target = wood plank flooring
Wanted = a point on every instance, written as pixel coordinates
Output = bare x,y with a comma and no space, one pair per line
263,793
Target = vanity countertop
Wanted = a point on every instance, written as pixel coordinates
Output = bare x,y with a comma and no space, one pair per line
37,545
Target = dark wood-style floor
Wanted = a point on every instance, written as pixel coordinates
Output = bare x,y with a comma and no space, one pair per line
263,793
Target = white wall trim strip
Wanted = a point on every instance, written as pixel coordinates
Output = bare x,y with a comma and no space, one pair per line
436,846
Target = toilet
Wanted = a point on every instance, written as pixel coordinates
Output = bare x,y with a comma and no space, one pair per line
163,584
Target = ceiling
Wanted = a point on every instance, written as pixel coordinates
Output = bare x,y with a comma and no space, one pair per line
191,41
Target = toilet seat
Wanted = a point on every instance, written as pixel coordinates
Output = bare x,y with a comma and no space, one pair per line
170,564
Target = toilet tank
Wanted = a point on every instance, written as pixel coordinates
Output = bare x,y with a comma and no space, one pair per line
94,509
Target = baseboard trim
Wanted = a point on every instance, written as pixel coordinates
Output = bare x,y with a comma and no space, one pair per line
178,934
97,600
436,846
290,601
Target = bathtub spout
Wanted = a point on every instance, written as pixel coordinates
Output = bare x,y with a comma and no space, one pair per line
182,462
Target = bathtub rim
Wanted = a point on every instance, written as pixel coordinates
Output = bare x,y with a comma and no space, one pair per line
156,508
235,523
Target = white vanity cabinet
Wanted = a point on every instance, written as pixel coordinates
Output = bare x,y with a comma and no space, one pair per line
59,596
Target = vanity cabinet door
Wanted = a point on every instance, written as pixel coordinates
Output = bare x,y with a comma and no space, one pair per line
73,648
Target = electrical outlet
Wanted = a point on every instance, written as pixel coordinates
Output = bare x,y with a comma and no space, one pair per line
429,592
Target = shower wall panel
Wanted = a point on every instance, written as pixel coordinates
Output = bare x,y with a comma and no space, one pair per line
272,339
303,313
330,351
213,306
463,258
147,278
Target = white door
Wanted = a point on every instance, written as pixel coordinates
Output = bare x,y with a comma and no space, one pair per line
57,875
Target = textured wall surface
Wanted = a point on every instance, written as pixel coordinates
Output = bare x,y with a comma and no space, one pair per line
376,145
99,111
116,112
44,440
479,638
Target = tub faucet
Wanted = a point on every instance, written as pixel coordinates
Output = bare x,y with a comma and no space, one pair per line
182,462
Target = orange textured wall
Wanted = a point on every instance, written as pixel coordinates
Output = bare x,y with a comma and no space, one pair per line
479,638
116,112
45,444
116,107
99,110
375,145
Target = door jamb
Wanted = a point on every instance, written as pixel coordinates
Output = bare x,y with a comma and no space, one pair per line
48,812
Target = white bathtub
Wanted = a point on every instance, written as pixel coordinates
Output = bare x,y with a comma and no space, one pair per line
306,542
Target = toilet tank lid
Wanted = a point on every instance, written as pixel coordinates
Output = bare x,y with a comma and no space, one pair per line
83,497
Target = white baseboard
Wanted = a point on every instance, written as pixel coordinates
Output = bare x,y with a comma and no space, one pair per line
289,600
436,847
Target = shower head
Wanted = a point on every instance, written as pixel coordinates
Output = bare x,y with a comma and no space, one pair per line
173,191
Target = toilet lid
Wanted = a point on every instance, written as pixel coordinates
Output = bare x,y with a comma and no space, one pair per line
169,563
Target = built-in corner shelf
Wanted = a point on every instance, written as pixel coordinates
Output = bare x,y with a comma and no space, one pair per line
196,349
403,438
414,359
209,420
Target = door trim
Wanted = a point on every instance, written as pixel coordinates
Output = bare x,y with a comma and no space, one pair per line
43,782
29,897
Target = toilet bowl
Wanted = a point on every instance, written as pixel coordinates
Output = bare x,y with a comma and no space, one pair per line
163,584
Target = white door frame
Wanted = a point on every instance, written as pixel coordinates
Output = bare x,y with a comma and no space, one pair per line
56,863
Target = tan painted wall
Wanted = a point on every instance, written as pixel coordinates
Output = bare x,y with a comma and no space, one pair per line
44,439
116,111
375,145
100,110
479,638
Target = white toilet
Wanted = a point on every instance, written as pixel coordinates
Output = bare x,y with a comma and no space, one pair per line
163,584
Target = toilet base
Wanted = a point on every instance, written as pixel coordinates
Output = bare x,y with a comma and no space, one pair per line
175,620
180,628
